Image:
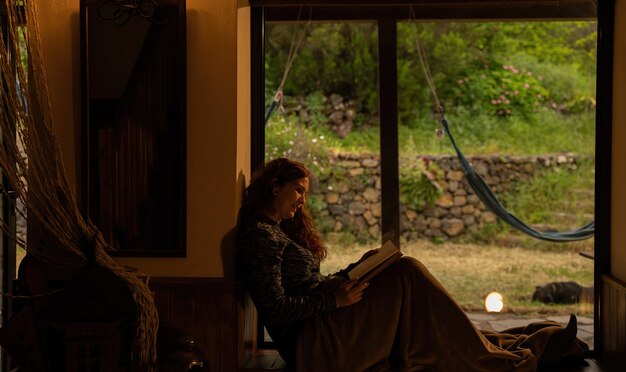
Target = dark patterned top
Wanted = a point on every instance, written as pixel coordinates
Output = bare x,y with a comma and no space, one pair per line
283,279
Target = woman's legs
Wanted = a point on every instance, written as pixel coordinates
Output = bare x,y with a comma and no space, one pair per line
450,334
408,321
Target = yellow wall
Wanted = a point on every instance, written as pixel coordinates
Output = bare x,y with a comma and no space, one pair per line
59,31
618,205
217,133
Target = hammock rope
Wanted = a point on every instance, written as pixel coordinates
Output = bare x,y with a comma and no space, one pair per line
477,183
296,42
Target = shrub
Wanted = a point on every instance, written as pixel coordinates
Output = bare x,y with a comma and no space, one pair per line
286,137
542,199
503,91
315,105
419,186
333,58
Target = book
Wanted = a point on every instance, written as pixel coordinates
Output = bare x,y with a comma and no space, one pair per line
377,262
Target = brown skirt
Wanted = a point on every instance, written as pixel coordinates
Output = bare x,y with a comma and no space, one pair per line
407,321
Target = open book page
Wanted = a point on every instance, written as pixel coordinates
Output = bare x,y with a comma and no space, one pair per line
375,263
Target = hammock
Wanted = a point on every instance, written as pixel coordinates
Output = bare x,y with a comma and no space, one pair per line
275,102
489,199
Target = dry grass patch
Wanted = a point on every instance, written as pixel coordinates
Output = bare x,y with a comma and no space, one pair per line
471,271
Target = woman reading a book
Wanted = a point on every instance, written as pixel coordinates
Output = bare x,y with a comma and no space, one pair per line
403,319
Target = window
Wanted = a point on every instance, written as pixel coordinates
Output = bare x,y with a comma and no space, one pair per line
387,19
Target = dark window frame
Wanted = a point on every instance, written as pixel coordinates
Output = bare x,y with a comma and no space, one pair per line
387,14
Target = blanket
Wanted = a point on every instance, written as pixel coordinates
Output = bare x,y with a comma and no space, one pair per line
407,321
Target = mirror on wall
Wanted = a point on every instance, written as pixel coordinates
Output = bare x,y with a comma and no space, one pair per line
133,124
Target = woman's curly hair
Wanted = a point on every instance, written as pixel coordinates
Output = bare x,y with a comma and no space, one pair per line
259,197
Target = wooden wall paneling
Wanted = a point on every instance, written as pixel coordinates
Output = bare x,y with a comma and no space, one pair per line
182,310
250,318
604,330
208,309
609,321
620,310
613,323
161,301
229,332
207,330
604,325
612,319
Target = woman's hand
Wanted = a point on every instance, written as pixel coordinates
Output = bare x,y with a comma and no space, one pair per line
349,292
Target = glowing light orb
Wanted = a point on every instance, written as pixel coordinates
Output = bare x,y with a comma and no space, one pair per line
494,302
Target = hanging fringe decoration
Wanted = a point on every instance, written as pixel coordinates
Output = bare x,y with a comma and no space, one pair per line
31,164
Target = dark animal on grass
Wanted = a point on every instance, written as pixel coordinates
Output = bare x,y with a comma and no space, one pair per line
563,293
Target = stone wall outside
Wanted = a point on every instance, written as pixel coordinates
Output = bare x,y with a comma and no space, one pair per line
349,199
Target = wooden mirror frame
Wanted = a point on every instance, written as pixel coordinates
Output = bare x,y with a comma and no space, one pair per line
133,133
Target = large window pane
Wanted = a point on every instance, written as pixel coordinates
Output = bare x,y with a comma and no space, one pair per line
520,100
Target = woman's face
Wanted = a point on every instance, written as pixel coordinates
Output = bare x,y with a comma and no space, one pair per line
289,198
